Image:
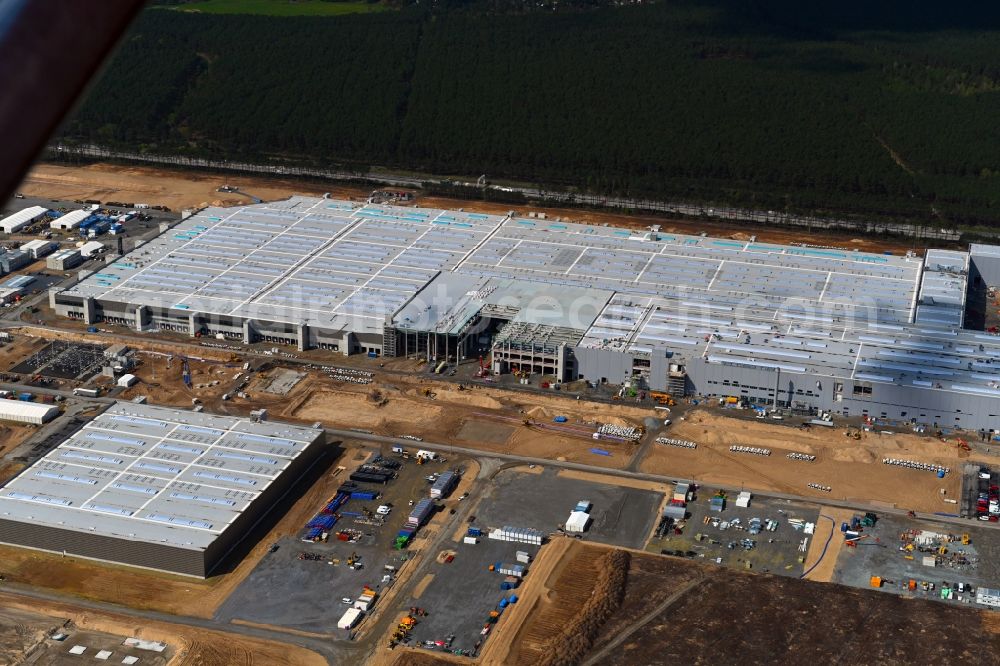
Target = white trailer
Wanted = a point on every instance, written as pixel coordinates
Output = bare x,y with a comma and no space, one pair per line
349,618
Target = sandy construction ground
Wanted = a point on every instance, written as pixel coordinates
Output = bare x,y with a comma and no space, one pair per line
12,434
175,189
821,559
486,419
194,647
852,468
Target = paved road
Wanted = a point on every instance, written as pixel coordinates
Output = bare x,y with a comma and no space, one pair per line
645,476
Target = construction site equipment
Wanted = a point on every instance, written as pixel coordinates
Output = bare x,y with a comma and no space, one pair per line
876,581
965,539
662,398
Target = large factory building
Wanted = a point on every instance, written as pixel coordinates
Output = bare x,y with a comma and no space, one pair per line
812,328
154,487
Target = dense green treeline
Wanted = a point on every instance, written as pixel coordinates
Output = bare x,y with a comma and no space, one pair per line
843,107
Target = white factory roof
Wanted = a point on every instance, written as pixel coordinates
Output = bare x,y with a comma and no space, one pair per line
22,217
338,265
15,409
154,474
983,250
70,220
35,244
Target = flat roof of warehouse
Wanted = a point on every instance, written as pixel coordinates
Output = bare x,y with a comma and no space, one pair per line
154,474
338,265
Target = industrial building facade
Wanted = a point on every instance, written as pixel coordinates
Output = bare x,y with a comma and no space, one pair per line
154,487
812,328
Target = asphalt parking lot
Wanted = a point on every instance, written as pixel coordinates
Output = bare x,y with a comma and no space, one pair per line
881,556
461,595
776,552
620,516
306,595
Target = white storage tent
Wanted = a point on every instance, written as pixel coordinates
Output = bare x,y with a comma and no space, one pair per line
14,223
70,220
26,412
577,521
127,380
90,249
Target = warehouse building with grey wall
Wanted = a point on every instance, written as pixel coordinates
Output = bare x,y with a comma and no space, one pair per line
815,328
158,488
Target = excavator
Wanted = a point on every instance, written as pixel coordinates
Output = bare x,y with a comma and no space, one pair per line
662,398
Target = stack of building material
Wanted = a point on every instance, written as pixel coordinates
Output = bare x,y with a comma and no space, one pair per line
444,485
421,513
518,535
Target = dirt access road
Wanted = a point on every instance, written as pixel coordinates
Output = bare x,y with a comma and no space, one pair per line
179,189
193,646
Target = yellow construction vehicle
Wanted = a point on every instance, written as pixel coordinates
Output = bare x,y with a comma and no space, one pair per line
662,398
965,539
942,549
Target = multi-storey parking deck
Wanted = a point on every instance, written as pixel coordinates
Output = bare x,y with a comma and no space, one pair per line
839,330
155,487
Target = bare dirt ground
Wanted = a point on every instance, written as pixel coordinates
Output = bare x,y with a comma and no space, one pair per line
556,597
852,468
20,347
733,617
180,189
821,555
173,188
486,419
144,590
675,611
21,631
194,647
12,434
